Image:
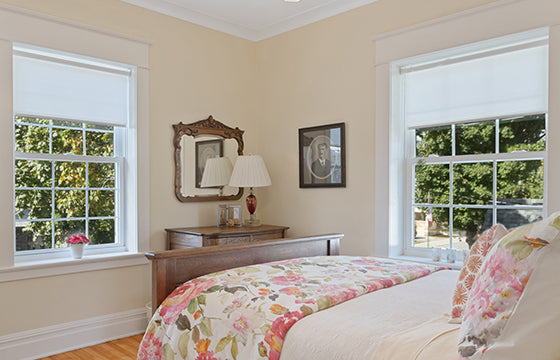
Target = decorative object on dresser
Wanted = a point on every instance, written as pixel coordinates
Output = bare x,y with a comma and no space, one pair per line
250,171
206,136
189,237
322,156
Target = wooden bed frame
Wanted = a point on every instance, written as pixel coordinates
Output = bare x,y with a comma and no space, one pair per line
174,267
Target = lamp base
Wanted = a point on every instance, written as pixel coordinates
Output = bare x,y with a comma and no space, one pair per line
252,221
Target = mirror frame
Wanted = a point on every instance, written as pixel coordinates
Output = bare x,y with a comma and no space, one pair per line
208,126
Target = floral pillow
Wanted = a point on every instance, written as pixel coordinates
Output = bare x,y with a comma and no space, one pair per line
500,283
470,268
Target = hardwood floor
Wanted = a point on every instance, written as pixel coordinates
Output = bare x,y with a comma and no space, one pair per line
119,349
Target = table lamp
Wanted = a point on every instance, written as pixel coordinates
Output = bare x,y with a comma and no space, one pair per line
217,173
250,171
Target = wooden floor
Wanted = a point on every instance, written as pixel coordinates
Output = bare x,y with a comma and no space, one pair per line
117,349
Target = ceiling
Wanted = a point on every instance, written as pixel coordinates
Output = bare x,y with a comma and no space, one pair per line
250,19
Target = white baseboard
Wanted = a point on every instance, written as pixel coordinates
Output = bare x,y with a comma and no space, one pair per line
37,343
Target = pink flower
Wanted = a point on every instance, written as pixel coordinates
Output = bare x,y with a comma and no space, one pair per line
150,348
207,356
181,297
275,335
77,239
288,279
290,290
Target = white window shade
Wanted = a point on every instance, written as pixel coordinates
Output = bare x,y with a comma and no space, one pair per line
64,90
509,83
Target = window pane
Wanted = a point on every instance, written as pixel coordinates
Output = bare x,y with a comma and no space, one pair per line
102,231
33,235
101,175
98,127
31,120
99,143
34,139
70,203
33,204
64,229
67,141
432,184
431,227
33,173
526,133
520,182
433,141
70,174
101,203
512,218
477,138
467,226
67,123
472,183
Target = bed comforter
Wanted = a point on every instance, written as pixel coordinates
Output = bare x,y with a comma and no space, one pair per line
245,313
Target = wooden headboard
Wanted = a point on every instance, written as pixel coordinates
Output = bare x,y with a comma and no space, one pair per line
173,267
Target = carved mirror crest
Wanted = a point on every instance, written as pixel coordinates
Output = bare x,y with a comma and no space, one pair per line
195,143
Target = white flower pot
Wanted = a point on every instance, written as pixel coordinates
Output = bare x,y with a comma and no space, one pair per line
77,250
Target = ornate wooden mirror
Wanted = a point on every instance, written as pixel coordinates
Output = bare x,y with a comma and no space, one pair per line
195,143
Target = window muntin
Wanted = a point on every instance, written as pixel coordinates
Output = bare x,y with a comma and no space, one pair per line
467,177
64,184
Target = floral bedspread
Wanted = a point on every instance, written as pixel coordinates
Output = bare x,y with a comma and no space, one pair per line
245,313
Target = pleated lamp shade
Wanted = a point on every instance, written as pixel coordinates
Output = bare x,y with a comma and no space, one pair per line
217,172
249,171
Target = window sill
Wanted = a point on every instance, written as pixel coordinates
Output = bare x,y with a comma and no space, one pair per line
62,266
455,266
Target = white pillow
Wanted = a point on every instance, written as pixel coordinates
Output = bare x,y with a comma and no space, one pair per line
533,329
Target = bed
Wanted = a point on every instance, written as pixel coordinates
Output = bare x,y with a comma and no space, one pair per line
395,322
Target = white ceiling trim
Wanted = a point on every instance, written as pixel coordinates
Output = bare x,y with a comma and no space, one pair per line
309,16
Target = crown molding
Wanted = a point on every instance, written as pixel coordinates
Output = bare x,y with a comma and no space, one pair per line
312,15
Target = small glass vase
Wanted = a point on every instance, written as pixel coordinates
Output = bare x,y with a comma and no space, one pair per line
77,250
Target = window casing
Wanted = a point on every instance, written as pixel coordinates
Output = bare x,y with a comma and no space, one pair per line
84,147
430,94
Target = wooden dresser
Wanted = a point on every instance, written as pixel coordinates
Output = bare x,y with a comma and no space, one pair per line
187,237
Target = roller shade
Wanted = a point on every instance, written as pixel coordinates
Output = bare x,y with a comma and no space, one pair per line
509,83
65,88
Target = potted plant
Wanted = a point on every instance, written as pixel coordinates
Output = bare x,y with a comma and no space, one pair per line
77,243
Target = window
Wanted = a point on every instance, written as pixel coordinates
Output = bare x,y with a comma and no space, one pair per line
468,177
474,120
71,130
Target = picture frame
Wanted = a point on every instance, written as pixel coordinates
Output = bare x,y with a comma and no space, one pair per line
322,156
203,151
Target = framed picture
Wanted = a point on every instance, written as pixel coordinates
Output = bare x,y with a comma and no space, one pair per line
322,156
203,151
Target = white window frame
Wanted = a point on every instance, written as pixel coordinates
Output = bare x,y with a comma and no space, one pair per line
493,158
391,210
119,136
124,151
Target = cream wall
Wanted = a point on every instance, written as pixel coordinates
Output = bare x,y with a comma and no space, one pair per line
322,73
194,72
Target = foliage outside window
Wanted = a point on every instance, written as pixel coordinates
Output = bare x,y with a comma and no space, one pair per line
470,176
66,182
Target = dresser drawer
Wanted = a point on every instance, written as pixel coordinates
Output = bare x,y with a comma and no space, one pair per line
224,240
180,238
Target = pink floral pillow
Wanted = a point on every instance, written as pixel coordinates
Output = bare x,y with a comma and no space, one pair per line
500,283
470,268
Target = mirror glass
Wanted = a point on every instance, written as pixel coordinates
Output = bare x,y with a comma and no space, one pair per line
194,144
196,150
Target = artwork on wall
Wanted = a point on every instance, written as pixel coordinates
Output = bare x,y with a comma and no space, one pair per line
205,150
322,156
